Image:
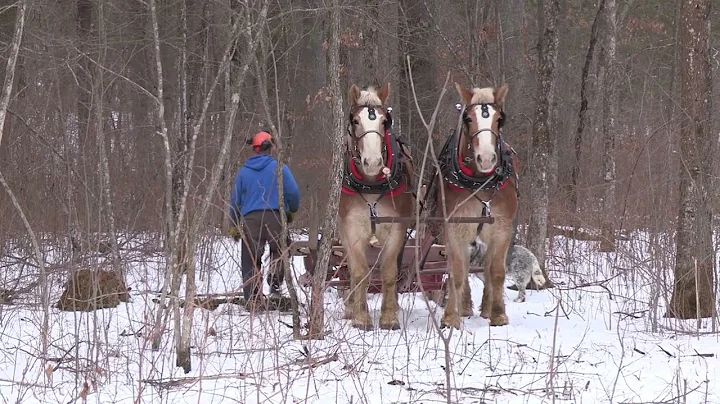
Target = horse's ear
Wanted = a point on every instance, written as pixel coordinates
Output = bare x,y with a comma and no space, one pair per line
500,94
353,94
384,93
465,94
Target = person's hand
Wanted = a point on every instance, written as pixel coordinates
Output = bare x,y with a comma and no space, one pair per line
234,232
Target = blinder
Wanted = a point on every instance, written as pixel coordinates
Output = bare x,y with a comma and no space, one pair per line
502,154
372,114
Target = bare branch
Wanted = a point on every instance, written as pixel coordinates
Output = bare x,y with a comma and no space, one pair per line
11,62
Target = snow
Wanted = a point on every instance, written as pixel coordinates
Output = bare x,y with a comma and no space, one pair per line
599,337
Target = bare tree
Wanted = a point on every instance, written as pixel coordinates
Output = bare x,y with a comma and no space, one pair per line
11,63
7,90
609,125
98,96
317,307
542,134
694,293
174,253
582,113
279,135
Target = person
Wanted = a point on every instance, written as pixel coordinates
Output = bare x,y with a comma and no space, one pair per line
254,204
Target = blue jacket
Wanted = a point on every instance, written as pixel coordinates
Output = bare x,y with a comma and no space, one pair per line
256,187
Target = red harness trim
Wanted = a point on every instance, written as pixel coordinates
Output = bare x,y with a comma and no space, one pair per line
468,171
356,173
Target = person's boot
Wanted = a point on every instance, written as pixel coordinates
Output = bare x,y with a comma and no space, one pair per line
275,290
257,304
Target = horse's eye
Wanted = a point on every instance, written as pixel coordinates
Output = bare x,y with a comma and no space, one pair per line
356,122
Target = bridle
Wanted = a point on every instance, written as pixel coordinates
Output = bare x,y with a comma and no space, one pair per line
392,183
354,151
455,165
499,141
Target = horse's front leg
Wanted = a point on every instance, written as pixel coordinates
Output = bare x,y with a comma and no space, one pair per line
466,308
359,274
486,302
347,296
494,305
389,268
457,280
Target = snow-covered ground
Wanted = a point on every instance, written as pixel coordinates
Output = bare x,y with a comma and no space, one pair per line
599,337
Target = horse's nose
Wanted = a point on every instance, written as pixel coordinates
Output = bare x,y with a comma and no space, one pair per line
492,159
486,162
371,161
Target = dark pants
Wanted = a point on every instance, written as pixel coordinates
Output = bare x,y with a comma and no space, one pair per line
260,227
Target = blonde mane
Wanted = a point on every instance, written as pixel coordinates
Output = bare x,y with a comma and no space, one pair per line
369,98
483,96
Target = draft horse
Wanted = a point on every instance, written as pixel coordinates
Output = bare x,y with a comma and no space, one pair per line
477,178
377,182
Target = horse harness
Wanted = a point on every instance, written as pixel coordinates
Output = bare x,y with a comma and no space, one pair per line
456,171
391,184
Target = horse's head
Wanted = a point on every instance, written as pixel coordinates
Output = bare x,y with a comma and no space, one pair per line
483,117
366,129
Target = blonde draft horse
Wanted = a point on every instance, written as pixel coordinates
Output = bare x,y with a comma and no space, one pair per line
377,182
482,157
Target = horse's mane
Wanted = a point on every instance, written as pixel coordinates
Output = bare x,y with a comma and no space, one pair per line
369,98
483,96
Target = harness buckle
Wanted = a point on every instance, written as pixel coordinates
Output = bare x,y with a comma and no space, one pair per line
373,209
486,208
373,223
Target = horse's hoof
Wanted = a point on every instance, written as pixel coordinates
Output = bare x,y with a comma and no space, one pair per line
484,313
363,325
499,320
453,321
466,312
347,315
390,325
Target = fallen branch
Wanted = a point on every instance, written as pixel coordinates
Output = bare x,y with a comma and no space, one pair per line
666,352
186,381
311,363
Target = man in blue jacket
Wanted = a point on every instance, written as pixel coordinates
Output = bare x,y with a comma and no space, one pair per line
254,203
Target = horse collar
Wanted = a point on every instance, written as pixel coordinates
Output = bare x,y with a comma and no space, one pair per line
460,177
386,184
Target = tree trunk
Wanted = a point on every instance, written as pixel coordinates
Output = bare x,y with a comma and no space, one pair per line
542,136
317,306
693,294
609,127
98,91
510,17
266,52
417,41
575,171
371,46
